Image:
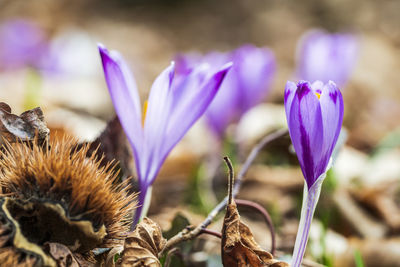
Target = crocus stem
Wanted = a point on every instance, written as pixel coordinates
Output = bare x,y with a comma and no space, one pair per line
144,204
310,200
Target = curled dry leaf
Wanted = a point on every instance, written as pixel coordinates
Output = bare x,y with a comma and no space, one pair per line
64,257
143,245
26,126
238,247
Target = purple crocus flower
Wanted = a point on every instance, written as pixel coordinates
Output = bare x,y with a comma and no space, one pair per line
323,56
314,113
245,86
22,44
173,107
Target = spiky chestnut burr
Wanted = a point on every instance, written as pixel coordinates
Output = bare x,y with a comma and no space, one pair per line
55,193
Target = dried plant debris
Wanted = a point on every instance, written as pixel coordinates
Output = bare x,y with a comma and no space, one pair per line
26,126
63,255
239,249
143,245
112,144
58,195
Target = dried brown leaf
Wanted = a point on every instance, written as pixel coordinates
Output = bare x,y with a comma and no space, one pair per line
143,245
26,126
61,254
238,247
115,251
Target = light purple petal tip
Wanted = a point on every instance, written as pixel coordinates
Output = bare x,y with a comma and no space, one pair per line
124,96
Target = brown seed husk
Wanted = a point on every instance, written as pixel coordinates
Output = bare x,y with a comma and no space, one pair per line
64,196
11,255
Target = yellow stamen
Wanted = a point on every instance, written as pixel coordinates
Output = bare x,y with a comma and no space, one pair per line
318,95
144,111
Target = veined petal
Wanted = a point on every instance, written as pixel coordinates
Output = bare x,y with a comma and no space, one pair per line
290,91
306,130
124,95
157,117
199,92
223,108
332,116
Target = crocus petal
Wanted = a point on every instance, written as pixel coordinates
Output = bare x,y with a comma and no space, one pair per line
306,130
245,85
199,95
332,116
155,124
290,91
223,109
254,68
124,95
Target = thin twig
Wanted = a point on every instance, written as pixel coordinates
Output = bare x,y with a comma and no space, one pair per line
211,232
231,179
264,213
252,156
187,234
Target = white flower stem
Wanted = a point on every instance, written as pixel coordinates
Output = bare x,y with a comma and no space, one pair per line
310,200
147,201
142,210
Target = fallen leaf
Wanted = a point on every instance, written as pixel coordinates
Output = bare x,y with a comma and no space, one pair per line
112,255
27,126
238,247
61,254
143,245
64,257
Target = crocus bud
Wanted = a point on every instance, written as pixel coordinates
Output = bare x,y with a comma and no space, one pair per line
314,113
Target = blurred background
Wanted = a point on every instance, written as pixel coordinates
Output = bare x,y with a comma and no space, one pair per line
49,58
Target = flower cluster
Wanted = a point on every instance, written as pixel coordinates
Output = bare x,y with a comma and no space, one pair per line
205,84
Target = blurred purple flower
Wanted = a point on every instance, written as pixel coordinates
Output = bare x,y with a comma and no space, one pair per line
323,56
314,113
22,44
245,86
173,107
